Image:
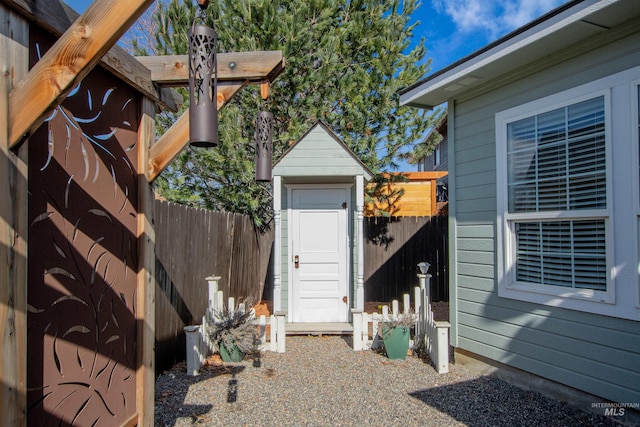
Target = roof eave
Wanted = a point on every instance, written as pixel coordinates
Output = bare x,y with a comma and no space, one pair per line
497,58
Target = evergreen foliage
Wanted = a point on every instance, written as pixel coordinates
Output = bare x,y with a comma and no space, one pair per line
345,62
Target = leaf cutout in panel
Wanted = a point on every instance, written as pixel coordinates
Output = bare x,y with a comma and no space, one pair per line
104,402
124,400
111,376
126,104
112,339
79,358
97,168
78,328
106,136
80,409
69,298
85,158
115,182
42,217
70,120
100,212
51,116
66,192
56,358
126,123
94,142
32,309
106,325
87,119
93,245
64,399
89,100
103,368
38,53
38,401
128,163
131,147
95,422
123,298
59,250
113,316
95,267
75,230
106,96
75,90
68,143
49,149
61,271
46,328
126,198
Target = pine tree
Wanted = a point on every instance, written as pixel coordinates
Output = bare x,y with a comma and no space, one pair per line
345,62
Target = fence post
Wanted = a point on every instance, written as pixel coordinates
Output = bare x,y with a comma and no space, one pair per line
213,290
442,347
357,329
193,349
280,333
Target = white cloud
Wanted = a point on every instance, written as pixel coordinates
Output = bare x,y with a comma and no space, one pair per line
493,18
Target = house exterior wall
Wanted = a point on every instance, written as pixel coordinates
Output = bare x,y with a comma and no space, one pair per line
428,163
595,353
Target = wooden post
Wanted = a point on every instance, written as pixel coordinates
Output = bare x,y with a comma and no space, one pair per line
441,359
193,349
281,332
146,317
14,63
357,329
360,242
68,61
277,244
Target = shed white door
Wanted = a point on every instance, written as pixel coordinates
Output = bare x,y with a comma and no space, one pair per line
319,255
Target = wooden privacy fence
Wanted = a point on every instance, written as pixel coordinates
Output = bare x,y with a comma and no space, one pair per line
192,244
393,248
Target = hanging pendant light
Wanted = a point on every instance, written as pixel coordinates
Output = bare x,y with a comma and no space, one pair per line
203,79
264,146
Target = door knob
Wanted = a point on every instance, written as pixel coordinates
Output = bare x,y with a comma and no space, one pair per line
345,299
296,261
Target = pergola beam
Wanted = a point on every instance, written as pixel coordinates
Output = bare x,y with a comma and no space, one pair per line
173,70
70,59
56,17
249,67
169,145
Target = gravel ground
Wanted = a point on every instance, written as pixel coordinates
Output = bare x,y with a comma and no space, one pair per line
323,382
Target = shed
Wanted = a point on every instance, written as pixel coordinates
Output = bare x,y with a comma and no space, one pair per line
318,205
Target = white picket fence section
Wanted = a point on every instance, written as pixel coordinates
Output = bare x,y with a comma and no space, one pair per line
199,345
431,336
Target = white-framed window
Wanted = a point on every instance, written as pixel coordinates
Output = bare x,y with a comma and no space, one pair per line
568,234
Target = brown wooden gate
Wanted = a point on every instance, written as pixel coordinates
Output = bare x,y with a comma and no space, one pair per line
83,249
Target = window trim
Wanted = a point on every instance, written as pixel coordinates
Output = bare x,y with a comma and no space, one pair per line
635,144
579,299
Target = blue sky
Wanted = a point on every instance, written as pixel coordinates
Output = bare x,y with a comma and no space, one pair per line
455,28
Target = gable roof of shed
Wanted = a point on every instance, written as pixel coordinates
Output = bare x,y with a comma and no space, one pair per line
562,27
292,165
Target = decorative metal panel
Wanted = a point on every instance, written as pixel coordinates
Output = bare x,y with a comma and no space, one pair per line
82,261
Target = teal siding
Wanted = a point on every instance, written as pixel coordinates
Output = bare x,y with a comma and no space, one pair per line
594,353
319,154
